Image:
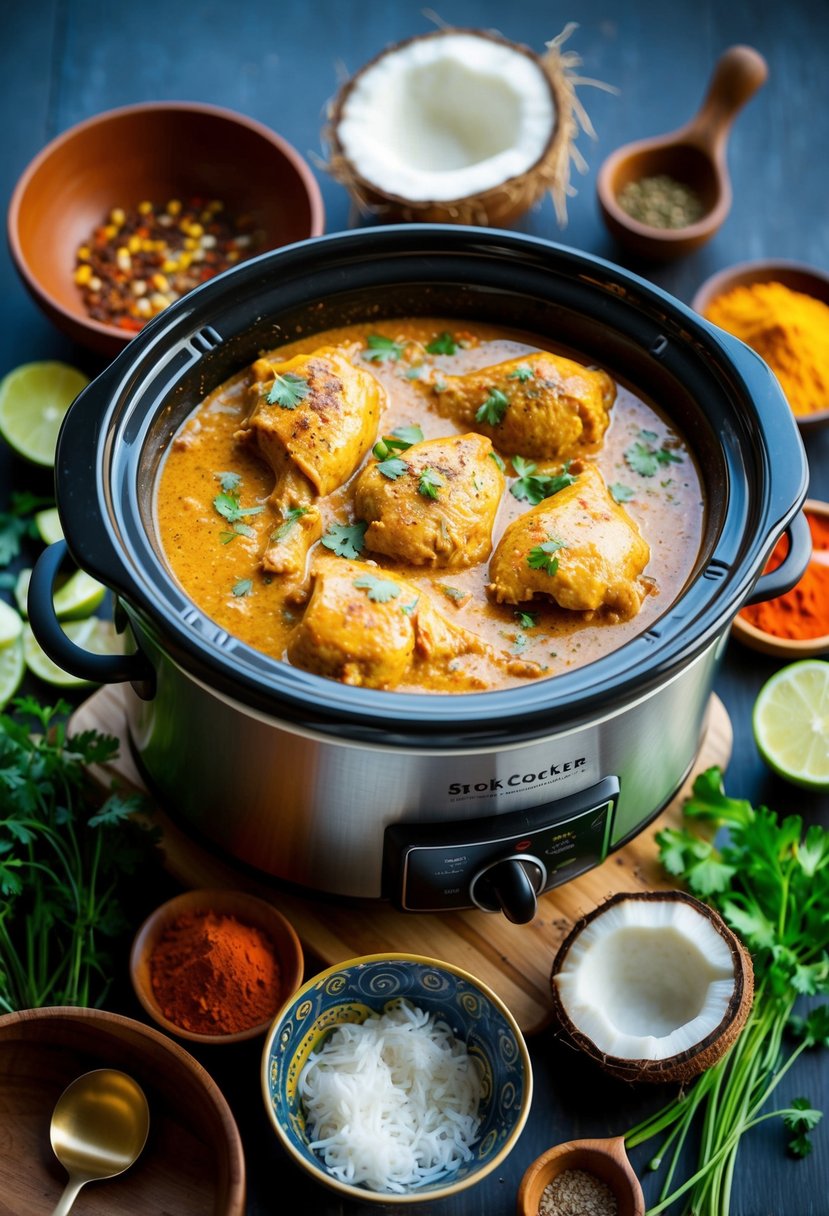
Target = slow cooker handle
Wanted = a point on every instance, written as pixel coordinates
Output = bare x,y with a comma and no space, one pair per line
790,571
99,668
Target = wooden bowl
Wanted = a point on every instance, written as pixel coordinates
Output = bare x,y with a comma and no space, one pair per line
193,1163
250,909
155,151
605,1159
790,649
797,276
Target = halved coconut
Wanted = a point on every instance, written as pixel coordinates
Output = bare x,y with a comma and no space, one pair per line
458,125
653,985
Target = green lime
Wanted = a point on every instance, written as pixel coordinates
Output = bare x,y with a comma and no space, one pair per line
92,633
79,596
48,525
33,400
791,723
11,626
12,667
21,590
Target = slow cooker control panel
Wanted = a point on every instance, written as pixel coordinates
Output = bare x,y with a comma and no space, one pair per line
463,864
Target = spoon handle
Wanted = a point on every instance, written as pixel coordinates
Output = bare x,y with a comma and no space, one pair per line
738,74
70,1194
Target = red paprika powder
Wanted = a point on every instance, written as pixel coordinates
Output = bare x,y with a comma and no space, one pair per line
802,612
213,974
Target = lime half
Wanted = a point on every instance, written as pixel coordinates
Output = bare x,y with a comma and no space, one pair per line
79,596
11,625
791,723
48,525
93,634
33,400
12,667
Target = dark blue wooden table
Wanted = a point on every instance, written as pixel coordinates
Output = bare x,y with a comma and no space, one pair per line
280,62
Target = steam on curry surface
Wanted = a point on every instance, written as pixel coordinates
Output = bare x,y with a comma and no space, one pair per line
429,506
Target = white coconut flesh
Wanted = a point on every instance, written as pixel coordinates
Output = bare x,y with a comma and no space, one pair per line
447,117
647,980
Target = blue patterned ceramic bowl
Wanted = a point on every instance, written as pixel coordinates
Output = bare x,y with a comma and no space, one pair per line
360,987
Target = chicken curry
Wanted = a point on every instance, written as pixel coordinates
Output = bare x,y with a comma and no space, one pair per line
421,505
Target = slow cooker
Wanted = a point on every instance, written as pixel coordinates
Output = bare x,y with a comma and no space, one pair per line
429,801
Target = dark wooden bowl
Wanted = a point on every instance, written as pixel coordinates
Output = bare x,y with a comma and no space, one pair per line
154,151
193,1163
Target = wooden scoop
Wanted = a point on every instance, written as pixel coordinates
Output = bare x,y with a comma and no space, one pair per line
605,1159
694,155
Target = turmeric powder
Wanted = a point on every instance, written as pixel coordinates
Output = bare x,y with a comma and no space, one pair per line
789,329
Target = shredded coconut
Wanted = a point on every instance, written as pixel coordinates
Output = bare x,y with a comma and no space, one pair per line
392,1102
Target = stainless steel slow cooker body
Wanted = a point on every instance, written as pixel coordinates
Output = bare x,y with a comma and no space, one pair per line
432,801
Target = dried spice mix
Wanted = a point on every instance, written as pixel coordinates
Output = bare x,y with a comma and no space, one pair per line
576,1192
138,261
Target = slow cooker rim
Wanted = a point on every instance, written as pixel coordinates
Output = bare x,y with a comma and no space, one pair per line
192,637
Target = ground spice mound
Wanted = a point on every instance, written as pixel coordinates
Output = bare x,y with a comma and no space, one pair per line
214,974
802,612
577,1193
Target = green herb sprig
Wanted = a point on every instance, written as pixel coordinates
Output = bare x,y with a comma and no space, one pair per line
534,487
646,459
380,349
346,540
493,409
545,556
770,881
288,390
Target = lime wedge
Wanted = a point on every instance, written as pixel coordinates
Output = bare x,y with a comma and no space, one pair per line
12,667
11,626
33,400
21,590
48,525
93,634
79,596
791,723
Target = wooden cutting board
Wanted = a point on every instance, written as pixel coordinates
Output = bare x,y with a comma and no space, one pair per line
514,960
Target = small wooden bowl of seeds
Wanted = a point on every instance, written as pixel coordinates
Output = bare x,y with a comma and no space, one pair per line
581,1178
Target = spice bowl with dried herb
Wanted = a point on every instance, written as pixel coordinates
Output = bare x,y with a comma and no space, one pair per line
215,966
581,1178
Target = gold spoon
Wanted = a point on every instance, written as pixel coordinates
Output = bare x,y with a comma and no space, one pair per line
99,1127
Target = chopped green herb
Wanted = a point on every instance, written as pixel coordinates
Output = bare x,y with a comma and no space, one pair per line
429,483
229,481
401,438
380,590
454,593
243,587
526,620
289,519
621,493
493,409
522,373
408,609
382,350
520,640
393,468
346,540
497,459
444,344
288,390
534,488
237,530
646,459
230,509
545,556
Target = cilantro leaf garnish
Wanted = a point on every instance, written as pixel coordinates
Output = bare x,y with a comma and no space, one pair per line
545,556
401,438
493,409
534,487
801,1119
243,587
230,509
408,609
444,344
621,493
382,349
229,481
393,468
380,590
644,458
346,540
526,620
497,459
236,530
289,519
523,373
288,390
429,483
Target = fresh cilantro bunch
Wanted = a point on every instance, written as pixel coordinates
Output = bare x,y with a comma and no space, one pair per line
63,858
770,881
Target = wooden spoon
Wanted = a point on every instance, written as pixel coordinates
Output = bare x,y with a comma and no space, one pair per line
694,154
605,1159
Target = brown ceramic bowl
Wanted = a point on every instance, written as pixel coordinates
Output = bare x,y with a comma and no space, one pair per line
193,1162
790,649
606,1160
155,151
250,909
797,276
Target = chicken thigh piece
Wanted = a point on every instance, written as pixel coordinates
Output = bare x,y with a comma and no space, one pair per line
367,627
435,504
579,547
541,406
313,418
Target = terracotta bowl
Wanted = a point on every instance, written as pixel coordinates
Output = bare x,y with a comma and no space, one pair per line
250,909
795,275
790,649
605,1159
155,151
355,989
193,1163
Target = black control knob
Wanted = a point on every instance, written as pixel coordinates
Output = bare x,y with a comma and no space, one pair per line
510,886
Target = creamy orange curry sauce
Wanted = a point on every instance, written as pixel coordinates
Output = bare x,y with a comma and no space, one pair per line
426,505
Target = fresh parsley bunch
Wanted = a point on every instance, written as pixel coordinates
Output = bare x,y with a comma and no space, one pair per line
770,881
64,855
